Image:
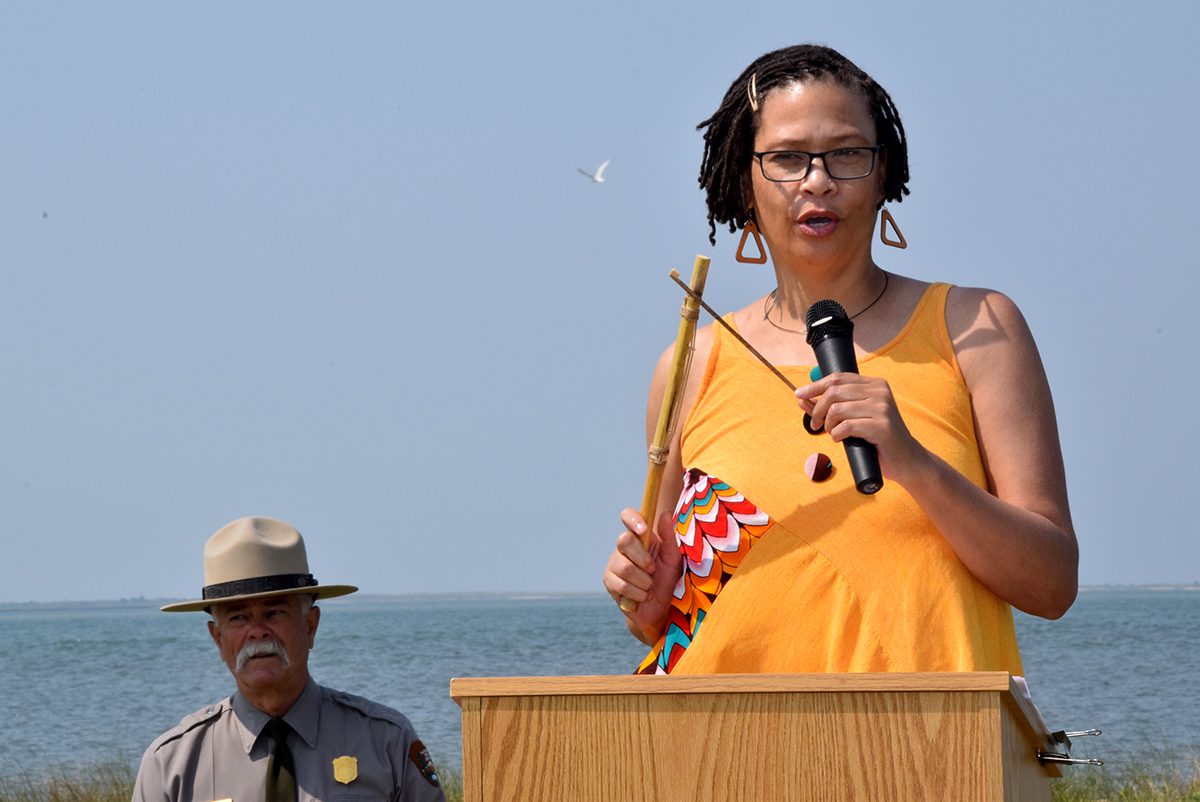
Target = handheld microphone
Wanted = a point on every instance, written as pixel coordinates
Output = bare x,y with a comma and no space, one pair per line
830,335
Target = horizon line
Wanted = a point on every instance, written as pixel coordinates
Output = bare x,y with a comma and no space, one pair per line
144,601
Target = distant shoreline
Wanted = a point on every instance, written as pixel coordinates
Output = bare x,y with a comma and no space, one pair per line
358,598
367,598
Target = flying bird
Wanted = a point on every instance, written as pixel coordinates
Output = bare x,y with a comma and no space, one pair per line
596,177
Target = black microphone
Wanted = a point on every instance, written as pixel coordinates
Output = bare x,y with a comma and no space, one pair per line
830,335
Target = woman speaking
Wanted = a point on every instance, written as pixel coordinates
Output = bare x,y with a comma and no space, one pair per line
764,556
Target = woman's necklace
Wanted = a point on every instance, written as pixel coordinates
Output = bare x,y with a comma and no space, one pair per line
769,305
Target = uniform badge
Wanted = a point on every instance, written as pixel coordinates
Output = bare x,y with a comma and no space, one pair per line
419,755
345,769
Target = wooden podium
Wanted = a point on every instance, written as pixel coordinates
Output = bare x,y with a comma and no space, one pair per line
740,738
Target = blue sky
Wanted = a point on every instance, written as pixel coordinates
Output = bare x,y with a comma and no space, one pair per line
334,263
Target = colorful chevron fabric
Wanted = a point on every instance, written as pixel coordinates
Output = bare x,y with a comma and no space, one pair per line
715,526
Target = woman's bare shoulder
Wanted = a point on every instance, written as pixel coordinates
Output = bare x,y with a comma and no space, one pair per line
980,319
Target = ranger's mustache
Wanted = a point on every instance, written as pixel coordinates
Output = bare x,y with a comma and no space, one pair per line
261,648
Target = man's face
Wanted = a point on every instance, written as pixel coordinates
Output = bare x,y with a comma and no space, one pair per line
265,642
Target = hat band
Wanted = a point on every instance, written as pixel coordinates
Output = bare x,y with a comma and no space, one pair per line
258,584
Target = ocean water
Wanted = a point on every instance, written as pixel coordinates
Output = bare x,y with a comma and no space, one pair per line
87,684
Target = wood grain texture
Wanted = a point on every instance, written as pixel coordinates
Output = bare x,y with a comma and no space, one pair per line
472,748
591,738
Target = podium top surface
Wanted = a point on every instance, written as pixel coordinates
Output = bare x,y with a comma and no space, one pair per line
1001,681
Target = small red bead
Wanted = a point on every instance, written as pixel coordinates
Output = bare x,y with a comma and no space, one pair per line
818,467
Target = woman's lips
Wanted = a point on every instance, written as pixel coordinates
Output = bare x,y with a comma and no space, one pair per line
817,224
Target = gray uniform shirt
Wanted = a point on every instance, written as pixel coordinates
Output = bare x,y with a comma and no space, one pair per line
345,748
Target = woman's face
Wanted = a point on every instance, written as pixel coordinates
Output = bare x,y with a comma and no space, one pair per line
817,219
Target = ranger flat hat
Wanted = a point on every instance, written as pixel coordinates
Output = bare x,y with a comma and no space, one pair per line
253,558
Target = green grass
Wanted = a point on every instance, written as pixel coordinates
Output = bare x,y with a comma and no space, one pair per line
105,782
1158,782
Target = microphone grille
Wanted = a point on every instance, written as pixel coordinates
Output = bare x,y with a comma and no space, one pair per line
823,309
827,318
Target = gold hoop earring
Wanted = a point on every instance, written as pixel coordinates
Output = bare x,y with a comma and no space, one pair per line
751,230
885,220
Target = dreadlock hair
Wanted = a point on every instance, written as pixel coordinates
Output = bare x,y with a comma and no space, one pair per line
729,133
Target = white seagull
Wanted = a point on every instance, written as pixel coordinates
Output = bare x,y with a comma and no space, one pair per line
596,177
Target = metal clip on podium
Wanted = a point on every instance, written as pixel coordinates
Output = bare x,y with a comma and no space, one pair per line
1062,739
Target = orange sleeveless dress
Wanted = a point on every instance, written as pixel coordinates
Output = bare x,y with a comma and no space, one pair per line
786,575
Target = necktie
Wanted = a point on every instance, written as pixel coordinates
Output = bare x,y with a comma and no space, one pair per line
281,772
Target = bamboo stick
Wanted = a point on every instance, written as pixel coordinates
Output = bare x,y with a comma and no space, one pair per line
660,444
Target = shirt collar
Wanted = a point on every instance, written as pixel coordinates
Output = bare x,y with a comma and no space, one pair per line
303,716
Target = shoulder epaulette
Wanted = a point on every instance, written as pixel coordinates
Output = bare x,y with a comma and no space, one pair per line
191,722
369,709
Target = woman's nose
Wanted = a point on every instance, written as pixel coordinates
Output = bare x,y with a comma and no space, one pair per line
817,181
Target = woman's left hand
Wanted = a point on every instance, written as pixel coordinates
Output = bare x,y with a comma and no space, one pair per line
853,405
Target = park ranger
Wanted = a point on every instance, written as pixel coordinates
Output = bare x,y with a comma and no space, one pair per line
281,737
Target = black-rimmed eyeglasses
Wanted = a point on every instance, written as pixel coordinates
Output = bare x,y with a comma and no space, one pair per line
794,165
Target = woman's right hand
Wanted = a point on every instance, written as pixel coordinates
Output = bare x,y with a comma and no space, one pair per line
646,576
